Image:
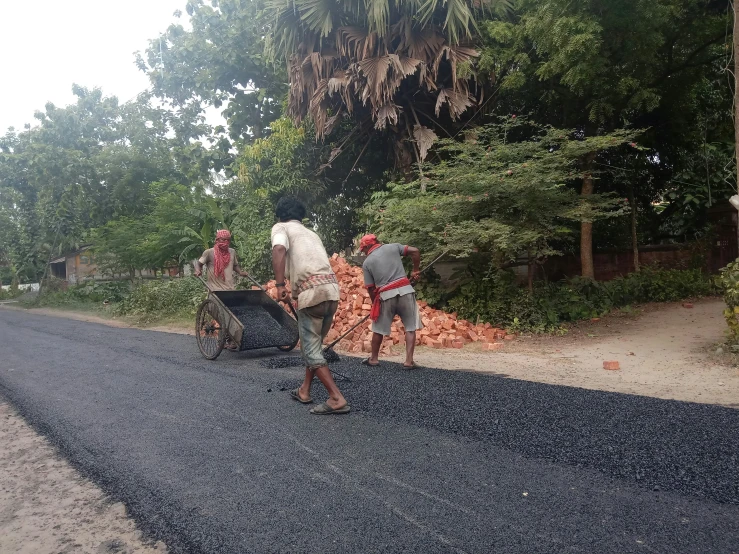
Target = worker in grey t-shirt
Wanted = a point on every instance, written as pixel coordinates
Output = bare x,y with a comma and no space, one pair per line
391,293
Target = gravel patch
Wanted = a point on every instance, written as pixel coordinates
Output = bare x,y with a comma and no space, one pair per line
659,444
296,361
260,328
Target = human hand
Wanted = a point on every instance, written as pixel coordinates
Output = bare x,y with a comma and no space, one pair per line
415,276
283,295
198,272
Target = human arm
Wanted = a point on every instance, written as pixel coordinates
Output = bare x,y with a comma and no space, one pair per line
237,268
199,263
415,255
280,246
279,258
369,283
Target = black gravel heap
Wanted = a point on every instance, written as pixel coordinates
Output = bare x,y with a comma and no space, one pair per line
261,330
660,444
296,361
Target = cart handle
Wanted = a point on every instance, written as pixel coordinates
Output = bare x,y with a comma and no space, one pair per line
205,283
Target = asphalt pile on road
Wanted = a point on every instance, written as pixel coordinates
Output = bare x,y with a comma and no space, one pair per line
296,361
260,328
660,444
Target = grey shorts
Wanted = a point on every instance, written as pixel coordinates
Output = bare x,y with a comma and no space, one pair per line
406,307
313,324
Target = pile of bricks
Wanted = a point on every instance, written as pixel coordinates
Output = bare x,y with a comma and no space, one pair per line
440,329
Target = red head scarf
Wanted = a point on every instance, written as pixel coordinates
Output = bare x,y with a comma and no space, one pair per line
221,254
368,243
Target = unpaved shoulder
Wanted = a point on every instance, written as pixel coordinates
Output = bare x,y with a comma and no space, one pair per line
47,507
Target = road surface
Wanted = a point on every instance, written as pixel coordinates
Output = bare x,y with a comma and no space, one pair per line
214,456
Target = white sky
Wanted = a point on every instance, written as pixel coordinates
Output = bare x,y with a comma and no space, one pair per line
47,45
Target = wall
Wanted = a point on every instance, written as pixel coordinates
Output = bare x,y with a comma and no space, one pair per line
610,264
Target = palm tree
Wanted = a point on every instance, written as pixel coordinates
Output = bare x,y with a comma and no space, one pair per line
387,64
209,215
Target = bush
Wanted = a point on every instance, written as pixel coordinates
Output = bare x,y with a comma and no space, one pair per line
729,282
497,299
152,300
11,293
56,293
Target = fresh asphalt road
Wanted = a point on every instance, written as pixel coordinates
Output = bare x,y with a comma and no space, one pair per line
207,459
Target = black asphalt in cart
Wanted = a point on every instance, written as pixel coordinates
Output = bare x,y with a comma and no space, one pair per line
428,461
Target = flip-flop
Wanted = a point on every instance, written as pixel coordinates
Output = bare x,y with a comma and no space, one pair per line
366,361
325,409
295,393
409,367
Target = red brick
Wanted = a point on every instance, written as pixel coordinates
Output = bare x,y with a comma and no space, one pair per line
492,346
611,365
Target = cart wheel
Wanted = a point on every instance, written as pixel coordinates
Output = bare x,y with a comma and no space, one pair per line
208,330
288,347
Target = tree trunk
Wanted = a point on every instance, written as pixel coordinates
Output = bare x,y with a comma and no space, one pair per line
634,238
531,275
586,227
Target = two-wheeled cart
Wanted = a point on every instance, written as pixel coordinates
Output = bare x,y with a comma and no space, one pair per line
250,318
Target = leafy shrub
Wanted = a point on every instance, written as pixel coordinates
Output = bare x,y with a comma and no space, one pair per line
729,282
496,298
56,293
9,294
155,299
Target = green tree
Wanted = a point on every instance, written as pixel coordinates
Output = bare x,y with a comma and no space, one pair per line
504,193
598,66
218,62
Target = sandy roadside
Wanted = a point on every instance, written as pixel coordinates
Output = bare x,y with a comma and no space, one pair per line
47,508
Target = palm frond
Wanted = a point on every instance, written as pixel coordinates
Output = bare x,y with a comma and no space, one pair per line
375,71
317,15
424,138
404,65
377,13
458,102
386,115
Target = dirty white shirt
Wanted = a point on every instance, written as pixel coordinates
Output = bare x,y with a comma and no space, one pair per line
306,256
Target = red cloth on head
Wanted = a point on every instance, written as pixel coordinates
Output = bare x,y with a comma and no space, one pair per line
221,254
367,240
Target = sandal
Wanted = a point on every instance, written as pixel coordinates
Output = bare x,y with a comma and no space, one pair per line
409,367
295,393
325,409
366,361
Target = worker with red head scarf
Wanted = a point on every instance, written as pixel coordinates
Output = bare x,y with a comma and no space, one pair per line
221,263
391,293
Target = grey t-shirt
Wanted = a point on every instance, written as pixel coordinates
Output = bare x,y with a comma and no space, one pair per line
385,265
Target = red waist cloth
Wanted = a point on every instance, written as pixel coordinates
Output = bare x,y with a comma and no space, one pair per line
375,311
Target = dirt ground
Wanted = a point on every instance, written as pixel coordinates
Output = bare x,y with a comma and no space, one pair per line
665,351
47,508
